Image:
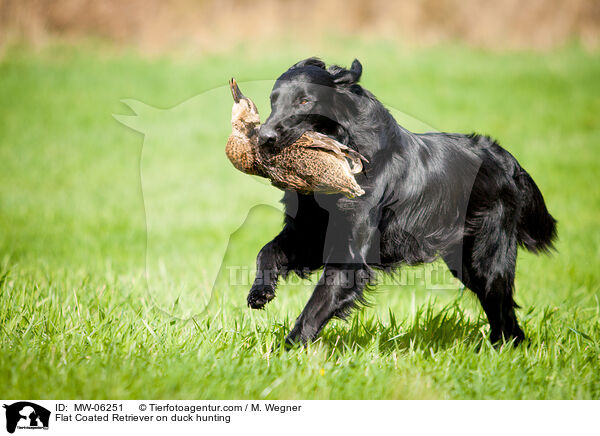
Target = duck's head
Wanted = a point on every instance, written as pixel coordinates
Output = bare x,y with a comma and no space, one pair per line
244,113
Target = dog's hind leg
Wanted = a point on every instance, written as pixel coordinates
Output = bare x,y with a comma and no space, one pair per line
488,269
495,293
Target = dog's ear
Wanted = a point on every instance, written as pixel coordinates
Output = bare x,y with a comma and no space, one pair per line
314,62
343,76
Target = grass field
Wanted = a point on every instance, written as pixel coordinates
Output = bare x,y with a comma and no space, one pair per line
80,318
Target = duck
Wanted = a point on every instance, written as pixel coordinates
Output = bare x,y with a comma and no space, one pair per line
314,163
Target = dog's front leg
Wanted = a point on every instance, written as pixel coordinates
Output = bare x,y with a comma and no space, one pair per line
289,251
270,261
351,245
336,293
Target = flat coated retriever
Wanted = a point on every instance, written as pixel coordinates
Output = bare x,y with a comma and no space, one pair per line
459,197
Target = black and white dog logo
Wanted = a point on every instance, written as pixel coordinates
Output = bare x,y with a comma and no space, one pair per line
26,415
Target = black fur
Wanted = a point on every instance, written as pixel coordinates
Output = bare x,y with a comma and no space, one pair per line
461,197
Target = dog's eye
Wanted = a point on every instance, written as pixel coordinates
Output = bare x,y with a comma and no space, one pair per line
303,101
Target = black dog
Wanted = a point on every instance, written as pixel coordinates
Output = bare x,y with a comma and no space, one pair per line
461,197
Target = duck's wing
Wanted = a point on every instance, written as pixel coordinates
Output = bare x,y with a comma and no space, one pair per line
325,143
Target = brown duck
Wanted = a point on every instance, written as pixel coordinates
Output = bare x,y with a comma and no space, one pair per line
314,163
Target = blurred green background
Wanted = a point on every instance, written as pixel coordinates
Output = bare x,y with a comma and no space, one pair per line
80,317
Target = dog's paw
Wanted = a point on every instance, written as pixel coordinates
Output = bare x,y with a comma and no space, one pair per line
293,341
516,336
260,295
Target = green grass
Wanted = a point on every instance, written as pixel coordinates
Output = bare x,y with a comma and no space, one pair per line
80,318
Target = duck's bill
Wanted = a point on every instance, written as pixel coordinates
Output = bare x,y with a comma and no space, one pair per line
235,91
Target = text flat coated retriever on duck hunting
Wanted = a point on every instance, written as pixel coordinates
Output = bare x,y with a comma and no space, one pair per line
461,197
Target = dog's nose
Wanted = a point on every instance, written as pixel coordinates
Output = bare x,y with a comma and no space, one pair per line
267,136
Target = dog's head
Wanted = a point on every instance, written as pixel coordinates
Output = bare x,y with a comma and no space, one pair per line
309,96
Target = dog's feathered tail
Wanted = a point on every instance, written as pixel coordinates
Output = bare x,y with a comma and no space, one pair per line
536,229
